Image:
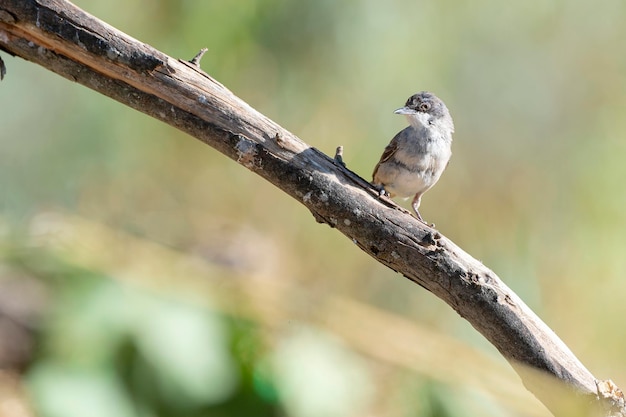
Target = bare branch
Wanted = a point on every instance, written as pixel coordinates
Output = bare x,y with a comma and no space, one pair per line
68,41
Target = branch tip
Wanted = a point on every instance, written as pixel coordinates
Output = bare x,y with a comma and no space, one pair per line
612,395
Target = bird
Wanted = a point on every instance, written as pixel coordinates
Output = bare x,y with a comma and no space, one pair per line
417,155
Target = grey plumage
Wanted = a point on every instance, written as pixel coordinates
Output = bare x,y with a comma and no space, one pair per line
417,156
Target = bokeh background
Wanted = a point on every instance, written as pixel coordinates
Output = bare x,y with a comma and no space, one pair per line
142,273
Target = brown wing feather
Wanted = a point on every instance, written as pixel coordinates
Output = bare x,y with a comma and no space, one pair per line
387,153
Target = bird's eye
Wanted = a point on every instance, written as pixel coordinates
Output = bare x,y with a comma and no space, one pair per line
424,106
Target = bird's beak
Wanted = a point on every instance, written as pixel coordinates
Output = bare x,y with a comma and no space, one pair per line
405,110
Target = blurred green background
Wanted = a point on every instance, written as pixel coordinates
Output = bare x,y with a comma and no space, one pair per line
144,274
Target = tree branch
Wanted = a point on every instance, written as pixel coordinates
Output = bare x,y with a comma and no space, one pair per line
62,38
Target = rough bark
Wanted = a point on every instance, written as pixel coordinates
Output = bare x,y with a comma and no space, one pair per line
62,38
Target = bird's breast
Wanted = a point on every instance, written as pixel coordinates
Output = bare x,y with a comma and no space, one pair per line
414,167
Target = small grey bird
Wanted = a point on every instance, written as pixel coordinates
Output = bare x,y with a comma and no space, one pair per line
417,156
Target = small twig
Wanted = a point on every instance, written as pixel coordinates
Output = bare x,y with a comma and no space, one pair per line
339,156
196,59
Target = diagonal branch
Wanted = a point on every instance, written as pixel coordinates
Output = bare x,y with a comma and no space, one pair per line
62,38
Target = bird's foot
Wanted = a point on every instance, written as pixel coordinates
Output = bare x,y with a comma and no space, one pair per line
381,190
419,217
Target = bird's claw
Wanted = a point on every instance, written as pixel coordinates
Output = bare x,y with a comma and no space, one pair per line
381,191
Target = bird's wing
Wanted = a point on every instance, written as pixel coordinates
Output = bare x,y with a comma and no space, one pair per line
387,153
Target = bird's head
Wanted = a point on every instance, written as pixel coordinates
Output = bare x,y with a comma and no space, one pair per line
426,110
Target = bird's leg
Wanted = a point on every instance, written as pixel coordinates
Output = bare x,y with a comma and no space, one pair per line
416,204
